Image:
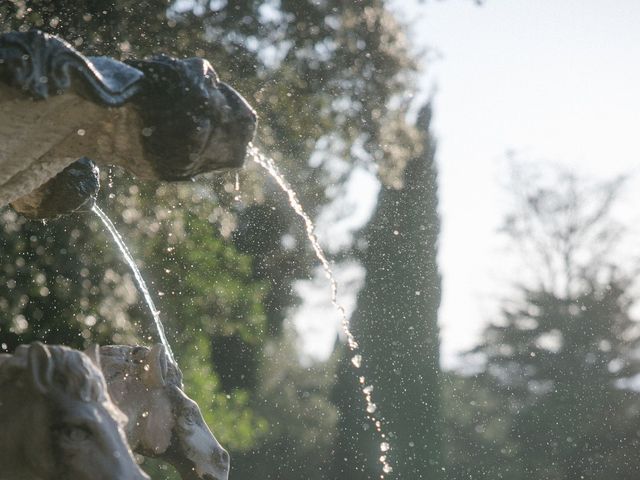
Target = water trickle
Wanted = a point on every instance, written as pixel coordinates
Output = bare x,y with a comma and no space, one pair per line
370,407
237,197
138,276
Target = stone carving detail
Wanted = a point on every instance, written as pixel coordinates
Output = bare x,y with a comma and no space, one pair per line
188,137
73,190
43,65
58,420
163,421
160,118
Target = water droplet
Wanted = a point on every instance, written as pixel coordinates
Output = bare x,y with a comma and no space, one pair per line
371,408
367,390
81,132
145,414
356,360
387,469
384,447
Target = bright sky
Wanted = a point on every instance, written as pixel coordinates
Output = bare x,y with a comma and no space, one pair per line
553,80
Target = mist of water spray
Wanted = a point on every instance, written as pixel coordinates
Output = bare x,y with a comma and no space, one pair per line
138,276
356,360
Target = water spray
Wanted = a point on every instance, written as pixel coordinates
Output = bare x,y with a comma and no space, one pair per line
356,360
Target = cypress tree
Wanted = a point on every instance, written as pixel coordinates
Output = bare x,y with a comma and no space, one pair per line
396,325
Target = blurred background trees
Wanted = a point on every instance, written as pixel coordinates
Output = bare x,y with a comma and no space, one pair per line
551,388
396,324
553,397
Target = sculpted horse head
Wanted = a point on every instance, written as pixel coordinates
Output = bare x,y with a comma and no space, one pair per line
164,422
57,421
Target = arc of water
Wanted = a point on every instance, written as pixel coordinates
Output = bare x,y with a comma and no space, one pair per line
142,285
268,164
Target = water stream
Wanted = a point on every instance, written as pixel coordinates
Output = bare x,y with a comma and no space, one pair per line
356,360
138,276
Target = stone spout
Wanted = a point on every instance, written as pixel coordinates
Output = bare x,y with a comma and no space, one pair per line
159,118
74,189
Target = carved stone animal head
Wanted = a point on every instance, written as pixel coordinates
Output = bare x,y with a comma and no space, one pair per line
58,421
207,126
164,422
161,118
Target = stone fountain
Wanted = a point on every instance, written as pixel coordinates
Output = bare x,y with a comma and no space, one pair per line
61,115
159,118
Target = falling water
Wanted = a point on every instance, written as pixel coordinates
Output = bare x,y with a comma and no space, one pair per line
237,196
138,276
366,390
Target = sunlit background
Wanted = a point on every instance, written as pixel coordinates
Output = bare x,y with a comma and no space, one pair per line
544,81
552,81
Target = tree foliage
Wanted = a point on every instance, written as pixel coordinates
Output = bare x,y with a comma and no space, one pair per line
553,398
396,326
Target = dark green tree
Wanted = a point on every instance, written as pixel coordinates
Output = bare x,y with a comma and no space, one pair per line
477,430
301,433
395,323
560,357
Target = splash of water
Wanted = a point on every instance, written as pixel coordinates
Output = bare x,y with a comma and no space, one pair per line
366,390
142,285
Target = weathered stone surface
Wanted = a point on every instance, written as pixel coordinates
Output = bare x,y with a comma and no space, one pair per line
163,421
192,122
58,420
160,118
72,190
